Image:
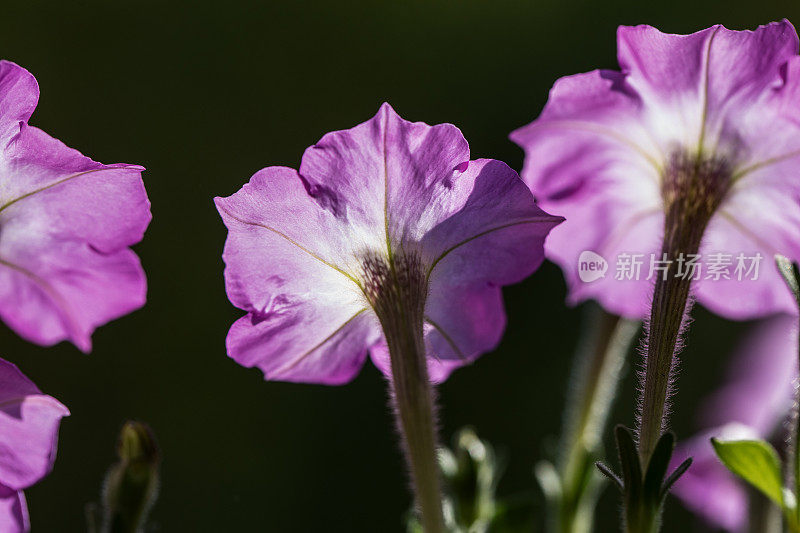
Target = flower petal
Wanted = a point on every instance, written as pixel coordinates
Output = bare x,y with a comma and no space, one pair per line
306,343
29,423
307,318
756,224
13,511
66,224
491,231
701,75
389,175
588,158
19,94
67,290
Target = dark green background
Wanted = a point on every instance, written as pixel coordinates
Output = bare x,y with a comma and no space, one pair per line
205,94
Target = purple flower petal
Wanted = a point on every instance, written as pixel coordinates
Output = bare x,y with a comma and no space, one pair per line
67,223
599,150
29,423
19,94
306,319
13,511
299,246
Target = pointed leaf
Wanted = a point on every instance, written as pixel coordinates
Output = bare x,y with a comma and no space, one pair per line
674,476
629,462
756,462
606,471
657,467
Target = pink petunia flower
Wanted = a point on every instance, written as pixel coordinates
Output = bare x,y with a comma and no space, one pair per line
308,252
712,117
29,423
66,223
756,397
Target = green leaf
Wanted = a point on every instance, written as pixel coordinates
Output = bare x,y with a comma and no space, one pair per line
756,462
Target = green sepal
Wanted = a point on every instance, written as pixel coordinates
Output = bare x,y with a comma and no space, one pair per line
629,462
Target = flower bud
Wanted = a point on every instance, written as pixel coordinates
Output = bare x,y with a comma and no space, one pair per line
131,484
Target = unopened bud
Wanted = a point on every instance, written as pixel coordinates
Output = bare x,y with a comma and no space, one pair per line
131,485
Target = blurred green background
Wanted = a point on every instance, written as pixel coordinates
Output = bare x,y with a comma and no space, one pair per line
205,94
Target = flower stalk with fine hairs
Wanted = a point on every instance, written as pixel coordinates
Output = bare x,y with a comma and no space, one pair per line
692,189
388,241
396,288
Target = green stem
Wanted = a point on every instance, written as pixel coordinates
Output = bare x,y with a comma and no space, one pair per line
670,305
600,360
412,394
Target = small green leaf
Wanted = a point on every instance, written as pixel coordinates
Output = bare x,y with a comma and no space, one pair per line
756,462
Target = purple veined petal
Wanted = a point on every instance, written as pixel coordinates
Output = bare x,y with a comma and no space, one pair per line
491,231
302,246
701,76
67,223
633,241
307,319
68,291
389,175
29,422
707,488
747,227
13,511
761,213
589,158
307,344
19,94
103,205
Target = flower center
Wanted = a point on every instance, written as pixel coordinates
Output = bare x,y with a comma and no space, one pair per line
396,287
694,186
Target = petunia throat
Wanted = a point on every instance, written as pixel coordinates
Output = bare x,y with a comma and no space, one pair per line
396,287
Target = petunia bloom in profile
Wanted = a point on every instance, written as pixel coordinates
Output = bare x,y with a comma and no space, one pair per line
390,241
29,423
66,224
755,398
310,253
708,123
677,177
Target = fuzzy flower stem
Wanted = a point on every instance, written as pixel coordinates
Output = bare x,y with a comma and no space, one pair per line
693,187
399,302
669,307
413,402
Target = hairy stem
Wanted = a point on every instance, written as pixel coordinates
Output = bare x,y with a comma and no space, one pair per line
682,235
398,290
414,406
